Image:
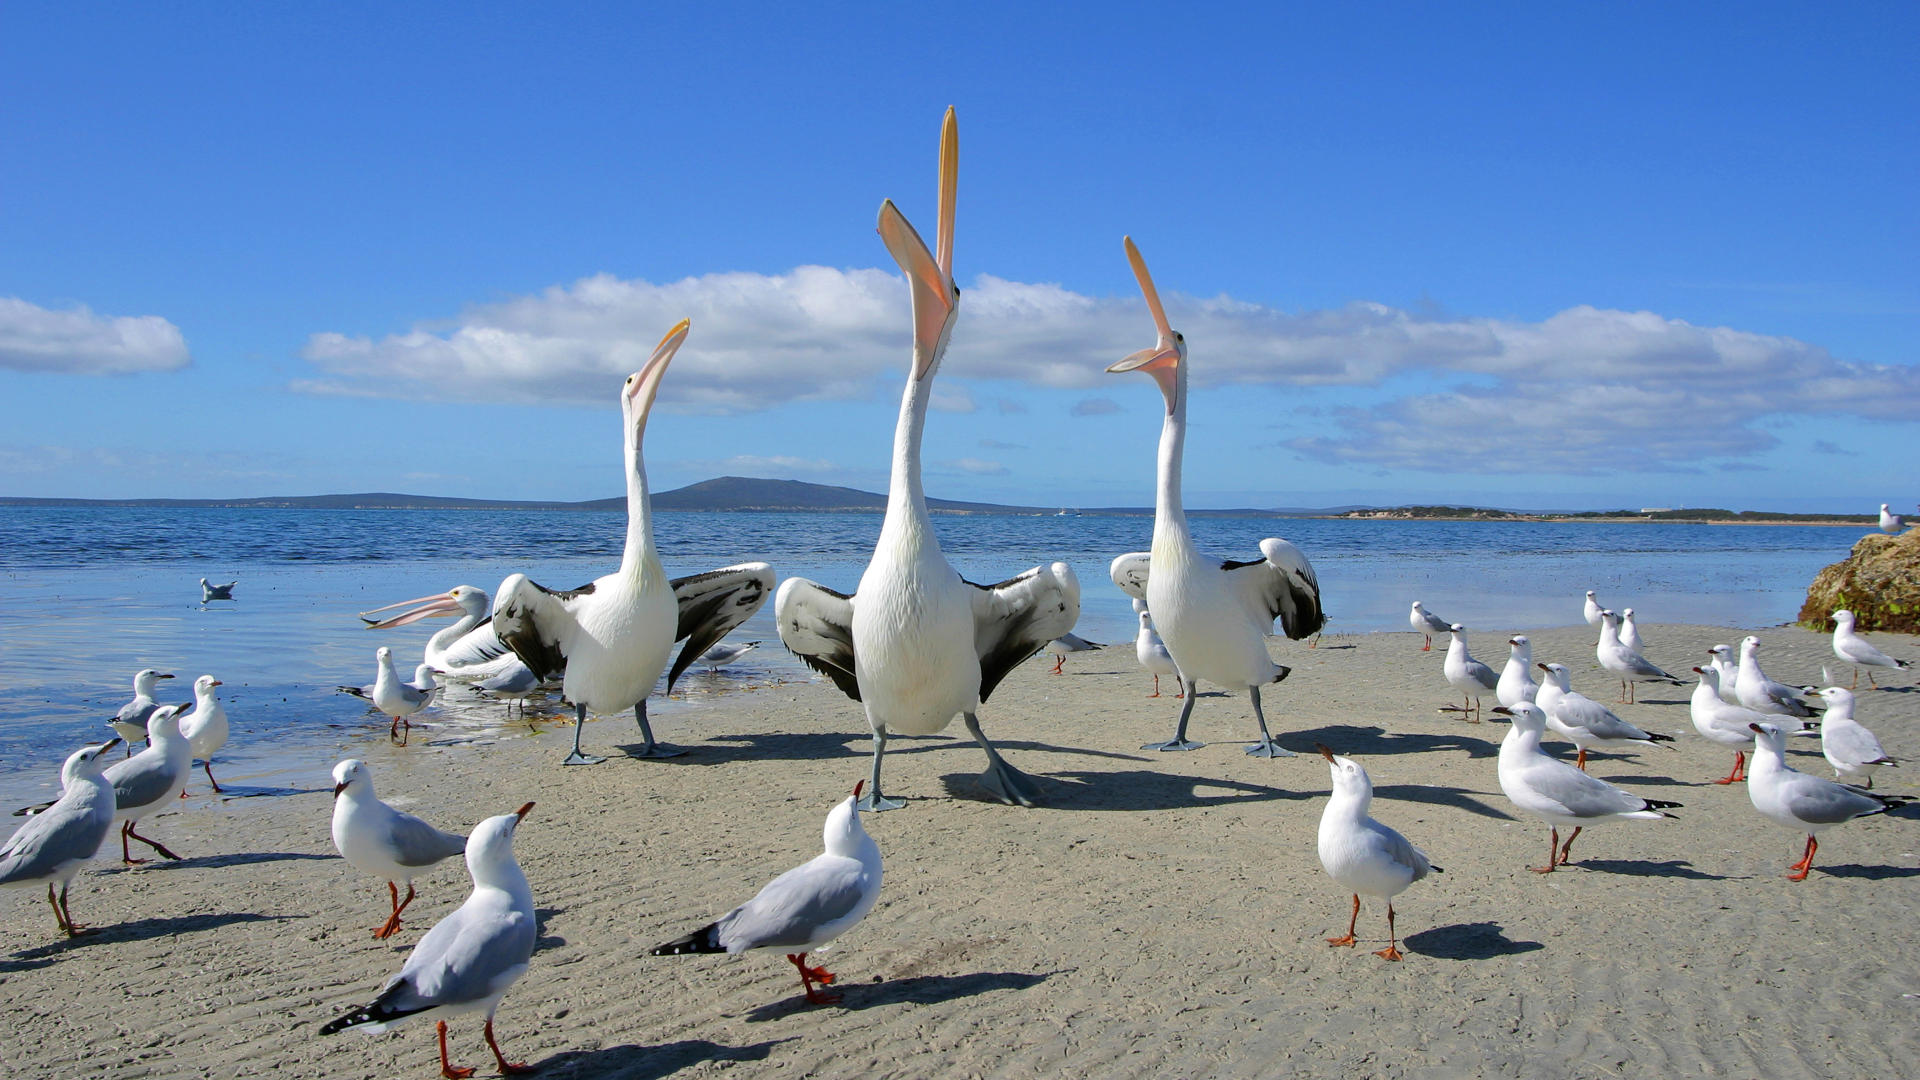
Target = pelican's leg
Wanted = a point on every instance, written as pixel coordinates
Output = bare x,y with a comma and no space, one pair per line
652,749
1179,740
1002,781
873,800
1266,747
580,721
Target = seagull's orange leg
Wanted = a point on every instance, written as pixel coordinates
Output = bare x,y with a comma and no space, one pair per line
1348,940
1580,760
447,1068
1057,662
1156,687
1553,848
1739,768
392,925
507,1068
1392,951
811,975
1566,850
1428,647
1805,865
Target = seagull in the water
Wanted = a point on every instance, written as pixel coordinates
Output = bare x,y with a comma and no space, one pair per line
130,723
150,780
210,591
725,653
804,908
1469,676
1558,793
1789,797
1849,747
1848,645
1361,854
396,699
466,963
54,843
376,839
1426,624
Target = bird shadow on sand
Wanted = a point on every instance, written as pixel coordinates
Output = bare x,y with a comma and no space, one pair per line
242,858
135,930
1870,873
1633,780
1458,798
631,1062
786,747
1129,789
1354,741
1467,941
232,792
1671,868
917,990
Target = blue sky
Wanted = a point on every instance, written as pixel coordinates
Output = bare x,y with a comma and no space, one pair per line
1520,255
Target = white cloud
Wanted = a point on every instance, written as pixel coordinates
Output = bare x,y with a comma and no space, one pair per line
976,466
78,342
1095,406
1585,391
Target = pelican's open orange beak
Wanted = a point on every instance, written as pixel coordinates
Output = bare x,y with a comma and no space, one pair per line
1162,360
436,604
929,273
643,384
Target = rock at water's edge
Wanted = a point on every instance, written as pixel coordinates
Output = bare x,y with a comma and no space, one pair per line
1879,582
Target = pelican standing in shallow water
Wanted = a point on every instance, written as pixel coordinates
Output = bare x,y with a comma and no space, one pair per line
612,636
1213,616
916,643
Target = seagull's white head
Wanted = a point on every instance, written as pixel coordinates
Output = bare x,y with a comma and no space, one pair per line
1349,778
1768,737
144,679
1839,702
936,299
1723,652
1166,358
1589,594
1843,619
203,687
1458,631
636,394
490,845
1417,607
1521,646
86,761
165,722
1709,677
1558,673
1627,613
423,677
383,656
352,773
1527,717
843,833
1749,646
1612,617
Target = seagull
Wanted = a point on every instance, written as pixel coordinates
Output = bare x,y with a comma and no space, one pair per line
1516,678
1469,676
1361,854
725,653
612,637
466,963
1558,793
1592,609
917,643
1858,651
1796,800
1890,522
1761,694
1728,667
1153,655
1426,624
1214,616
1068,643
1849,747
1721,722
1624,662
210,591
54,843
151,779
205,728
396,699
1629,631
376,839
1584,721
130,723
516,683
804,908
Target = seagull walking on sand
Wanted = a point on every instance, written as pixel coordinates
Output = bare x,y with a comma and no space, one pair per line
392,697
1592,609
1849,747
466,963
1516,678
150,780
54,843
1558,793
804,908
1761,694
1361,854
1469,676
1630,631
1426,624
1152,653
1719,721
205,727
1801,802
1068,643
725,653
130,723
1583,721
1848,645
376,839
1626,663
1727,666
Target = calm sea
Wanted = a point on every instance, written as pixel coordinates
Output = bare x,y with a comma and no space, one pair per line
89,596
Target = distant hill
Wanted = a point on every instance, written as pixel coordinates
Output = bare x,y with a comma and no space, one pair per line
750,493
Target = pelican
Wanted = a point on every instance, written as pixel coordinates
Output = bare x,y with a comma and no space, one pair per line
470,643
612,636
1214,616
917,643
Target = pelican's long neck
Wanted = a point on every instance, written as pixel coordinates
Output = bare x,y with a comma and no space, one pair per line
638,559
907,524
1169,514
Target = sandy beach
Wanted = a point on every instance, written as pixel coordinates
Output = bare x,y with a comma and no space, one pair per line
1163,915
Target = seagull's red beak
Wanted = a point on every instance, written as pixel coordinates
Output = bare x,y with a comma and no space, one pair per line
522,812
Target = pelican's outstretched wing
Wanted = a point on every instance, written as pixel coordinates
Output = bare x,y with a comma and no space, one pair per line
535,623
1129,571
712,604
816,625
480,645
1016,618
1280,586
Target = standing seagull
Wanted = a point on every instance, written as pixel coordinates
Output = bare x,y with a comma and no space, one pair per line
1583,721
1469,676
1426,624
1849,747
1361,854
725,653
1727,665
1890,522
150,780
1719,721
392,697
130,723
804,908
209,591
376,839
468,960
1068,643
1630,631
1592,609
54,843
1858,651
1214,616
206,726
1516,679
612,637
1626,663
1558,793
1761,694
1791,798
1152,653
917,643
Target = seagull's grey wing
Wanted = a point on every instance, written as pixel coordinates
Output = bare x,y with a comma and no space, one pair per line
1129,572
416,843
137,782
1397,848
470,955
1282,585
518,678
1859,651
68,831
1851,743
1016,618
712,604
136,712
1482,674
1075,643
365,692
1786,697
816,625
1435,624
1580,795
534,621
794,906
1640,665
1823,802
1600,721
